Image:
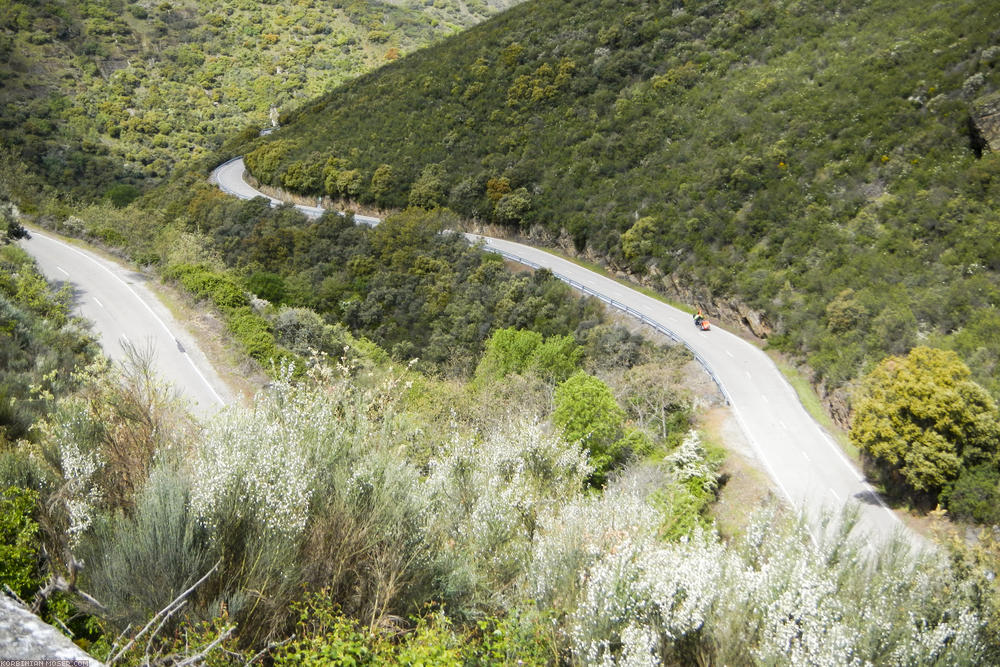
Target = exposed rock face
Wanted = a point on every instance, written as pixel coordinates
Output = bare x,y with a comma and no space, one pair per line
726,311
986,119
837,404
24,636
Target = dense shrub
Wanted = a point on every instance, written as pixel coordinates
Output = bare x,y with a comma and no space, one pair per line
519,351
219,288
923,420
975,495
19,541
586,412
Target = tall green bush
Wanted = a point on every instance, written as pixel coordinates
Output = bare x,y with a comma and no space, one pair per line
923,421
586,412
19,541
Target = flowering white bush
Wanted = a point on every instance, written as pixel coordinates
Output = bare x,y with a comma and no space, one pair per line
571,538
78,468
689,462
774,598
263,460
489,491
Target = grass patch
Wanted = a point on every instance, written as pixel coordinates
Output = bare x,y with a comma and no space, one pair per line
814,406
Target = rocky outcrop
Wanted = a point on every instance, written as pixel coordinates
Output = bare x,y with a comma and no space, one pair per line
986,119
733,312
24,636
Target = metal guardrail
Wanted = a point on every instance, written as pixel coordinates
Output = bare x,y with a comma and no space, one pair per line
628,310
310,211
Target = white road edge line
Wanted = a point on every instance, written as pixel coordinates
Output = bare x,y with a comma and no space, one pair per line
143,302
787,386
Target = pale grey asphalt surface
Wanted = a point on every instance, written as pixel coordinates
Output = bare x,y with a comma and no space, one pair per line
807,467
122,309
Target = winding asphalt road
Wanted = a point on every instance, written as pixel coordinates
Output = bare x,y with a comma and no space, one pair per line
124,312
807,466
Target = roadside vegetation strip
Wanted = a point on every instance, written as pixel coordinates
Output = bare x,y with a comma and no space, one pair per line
315,212
615,304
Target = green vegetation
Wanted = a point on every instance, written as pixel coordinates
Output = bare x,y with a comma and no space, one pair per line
586,412
520,351
252,331
848,199
100,91
414,292
927,425
41,346
553,509
308,525
19,557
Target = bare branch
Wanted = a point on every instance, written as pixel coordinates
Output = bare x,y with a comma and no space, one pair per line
270,646
198,656
166,610
166,617
14,595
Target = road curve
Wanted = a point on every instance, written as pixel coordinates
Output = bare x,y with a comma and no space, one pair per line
124,311
807,466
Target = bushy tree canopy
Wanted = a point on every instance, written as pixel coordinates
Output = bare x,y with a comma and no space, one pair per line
923,420
511,350
586,411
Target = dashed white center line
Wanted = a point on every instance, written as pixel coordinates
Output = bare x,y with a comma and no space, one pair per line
749,377
64,271
766,399
806,456
731,355
783,425
98,301
835,495
125,338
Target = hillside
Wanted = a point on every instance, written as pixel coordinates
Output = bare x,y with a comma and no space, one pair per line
454,463
104,90
367,514
816,164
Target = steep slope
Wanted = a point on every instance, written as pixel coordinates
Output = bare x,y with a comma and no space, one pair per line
104,89
817,163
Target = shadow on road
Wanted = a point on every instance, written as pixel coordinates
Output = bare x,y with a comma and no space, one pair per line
868,498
